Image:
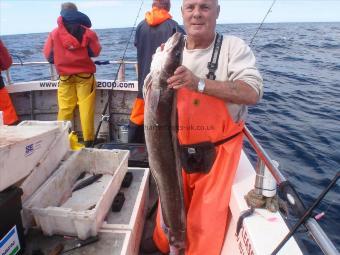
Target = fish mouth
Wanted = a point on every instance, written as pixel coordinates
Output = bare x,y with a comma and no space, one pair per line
176,41
179,46
174,47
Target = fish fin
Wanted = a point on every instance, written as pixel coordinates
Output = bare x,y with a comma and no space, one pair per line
174,130
175,143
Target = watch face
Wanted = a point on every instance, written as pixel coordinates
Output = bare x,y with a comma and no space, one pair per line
201,85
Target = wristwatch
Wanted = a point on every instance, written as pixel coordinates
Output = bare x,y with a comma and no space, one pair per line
201,85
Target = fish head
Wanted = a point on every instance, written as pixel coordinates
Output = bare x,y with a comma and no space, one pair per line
173,48
166,60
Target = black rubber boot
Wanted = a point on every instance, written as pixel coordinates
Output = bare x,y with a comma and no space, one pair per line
148,246
88,144
136,133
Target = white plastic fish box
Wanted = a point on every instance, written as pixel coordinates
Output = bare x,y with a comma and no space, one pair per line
47,203
132,215
24,147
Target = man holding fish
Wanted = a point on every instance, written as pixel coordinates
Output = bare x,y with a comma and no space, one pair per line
214,84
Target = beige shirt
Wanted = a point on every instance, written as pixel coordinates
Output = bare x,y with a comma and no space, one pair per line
236,62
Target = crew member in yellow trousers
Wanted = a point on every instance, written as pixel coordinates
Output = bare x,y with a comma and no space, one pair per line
154,30
70,47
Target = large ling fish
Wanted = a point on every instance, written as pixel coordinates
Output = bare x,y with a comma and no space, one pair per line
161,141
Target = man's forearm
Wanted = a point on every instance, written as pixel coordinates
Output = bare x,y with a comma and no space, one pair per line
237,92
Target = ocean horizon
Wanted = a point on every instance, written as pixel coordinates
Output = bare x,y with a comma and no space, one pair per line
219,24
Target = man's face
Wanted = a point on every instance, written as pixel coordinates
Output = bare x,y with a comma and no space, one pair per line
199,17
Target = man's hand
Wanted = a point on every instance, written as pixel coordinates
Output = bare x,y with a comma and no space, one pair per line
183,77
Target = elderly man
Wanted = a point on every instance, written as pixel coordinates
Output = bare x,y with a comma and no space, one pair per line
212,104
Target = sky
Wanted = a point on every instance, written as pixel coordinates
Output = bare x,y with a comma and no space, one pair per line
35,16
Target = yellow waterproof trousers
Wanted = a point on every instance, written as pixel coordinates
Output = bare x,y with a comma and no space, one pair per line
78,89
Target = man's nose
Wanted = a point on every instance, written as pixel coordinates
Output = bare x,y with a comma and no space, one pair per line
196,12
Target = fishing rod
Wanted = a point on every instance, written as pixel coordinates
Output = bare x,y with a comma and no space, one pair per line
108,102
307,215
264,18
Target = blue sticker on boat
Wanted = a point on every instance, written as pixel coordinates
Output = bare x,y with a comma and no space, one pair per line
9,244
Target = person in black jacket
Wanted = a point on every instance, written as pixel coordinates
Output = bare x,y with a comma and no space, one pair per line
157,27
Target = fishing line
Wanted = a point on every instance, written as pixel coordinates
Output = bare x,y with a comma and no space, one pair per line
115,79
18,57
269,10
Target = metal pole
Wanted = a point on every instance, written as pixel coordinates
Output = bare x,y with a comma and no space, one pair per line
264,156
321,237
260,167
53,73
8,76
121,74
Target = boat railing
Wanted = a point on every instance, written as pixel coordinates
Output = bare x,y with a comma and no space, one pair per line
263,162
54,76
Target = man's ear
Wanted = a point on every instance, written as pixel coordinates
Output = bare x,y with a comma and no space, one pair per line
218,11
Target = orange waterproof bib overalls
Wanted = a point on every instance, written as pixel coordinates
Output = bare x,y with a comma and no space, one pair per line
205,118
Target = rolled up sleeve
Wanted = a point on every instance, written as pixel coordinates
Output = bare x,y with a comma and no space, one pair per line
242,67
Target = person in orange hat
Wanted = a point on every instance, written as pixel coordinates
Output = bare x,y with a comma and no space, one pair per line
10,116
216,82
154,30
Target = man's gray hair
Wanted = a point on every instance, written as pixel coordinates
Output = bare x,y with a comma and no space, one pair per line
69,6
184,1
162,4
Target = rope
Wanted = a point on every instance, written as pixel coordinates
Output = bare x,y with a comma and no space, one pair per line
269,10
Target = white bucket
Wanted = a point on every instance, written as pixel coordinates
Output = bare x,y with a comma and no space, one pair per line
123,133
